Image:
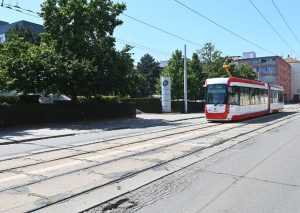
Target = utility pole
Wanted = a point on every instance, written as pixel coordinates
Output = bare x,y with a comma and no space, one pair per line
185,82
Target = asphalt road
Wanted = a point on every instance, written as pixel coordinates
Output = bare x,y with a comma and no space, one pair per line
259,175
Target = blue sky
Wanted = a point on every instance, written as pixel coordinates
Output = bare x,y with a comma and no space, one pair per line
237,15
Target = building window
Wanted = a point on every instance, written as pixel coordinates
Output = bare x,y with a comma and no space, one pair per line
263,60
255,61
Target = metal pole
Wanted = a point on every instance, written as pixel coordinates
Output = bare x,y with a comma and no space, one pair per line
185,82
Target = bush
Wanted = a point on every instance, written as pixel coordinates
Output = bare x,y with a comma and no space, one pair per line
29,99
102,99
193,107
147,105
24,114
153,105
10,99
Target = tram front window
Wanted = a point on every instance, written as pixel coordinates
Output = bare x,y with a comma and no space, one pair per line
216,94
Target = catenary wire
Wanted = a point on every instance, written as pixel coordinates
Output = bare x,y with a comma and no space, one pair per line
273,28
142,47
224,28
20,10
161,30
285,21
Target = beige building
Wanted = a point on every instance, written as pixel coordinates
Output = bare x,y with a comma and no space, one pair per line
295,78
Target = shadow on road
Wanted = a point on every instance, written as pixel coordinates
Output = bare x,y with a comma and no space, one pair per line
268,118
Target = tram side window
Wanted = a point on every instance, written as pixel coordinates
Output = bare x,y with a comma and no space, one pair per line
254,94
281,97
233,95
265,96
259,96
277,96
244,96
274,96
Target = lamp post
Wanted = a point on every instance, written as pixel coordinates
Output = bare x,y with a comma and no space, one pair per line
185,81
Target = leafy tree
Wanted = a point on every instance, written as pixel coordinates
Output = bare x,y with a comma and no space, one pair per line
83,35
244,71
27,68
23,32
196,78
150,71
82,27
123,76
213,62
174,70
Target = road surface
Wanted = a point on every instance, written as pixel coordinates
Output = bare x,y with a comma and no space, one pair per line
113,170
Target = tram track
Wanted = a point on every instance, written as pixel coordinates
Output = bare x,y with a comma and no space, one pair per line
81,144
108,161
114,145
73,148
167,161
70,147
107,148
143,152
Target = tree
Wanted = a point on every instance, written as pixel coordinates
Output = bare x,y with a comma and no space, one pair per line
174,70
150,71
196,78
23,32
213,62
244,71
83,34
29,68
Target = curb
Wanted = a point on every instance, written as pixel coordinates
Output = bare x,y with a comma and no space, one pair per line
34,139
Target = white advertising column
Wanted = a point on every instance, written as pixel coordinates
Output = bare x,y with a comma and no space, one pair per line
166,94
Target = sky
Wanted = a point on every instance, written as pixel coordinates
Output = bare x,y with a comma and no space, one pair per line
239,16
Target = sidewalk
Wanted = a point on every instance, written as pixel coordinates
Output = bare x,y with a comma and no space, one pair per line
63,130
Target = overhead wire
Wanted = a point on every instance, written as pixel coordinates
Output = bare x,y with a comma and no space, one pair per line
224,28
161,30
20,10
273,28
280,13
142,47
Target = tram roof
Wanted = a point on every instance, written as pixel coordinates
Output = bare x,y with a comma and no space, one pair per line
235,82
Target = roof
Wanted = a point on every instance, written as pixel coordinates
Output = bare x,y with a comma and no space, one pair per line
291,60
3,23
35,27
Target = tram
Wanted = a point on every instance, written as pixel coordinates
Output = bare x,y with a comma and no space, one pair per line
232,99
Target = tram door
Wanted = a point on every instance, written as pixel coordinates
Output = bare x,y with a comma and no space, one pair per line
269,99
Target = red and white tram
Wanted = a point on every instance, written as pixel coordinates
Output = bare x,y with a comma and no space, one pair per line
236,99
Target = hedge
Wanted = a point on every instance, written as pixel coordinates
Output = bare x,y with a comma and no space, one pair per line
24,114
193,107
9,99
153,105
147,105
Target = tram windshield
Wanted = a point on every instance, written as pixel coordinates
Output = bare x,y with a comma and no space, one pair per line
216,94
